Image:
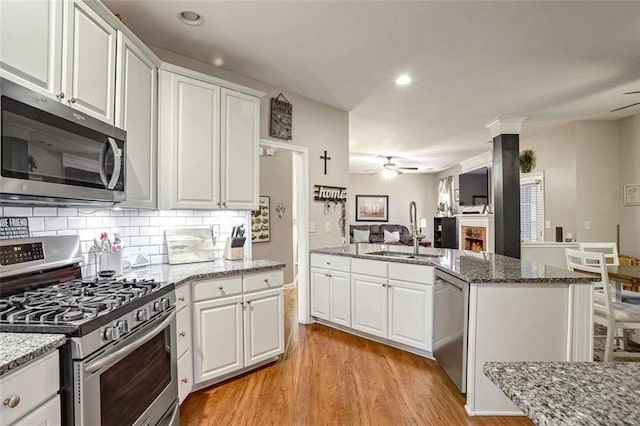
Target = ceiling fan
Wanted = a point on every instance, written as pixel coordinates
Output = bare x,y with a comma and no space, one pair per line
390,169
630,105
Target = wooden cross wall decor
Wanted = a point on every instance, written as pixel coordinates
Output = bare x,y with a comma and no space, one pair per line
325,158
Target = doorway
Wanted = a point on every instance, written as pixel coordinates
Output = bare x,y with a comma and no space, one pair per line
298,210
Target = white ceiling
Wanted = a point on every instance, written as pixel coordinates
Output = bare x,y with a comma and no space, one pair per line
553,62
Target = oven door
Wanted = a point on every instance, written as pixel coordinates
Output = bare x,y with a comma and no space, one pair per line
51,151
133,382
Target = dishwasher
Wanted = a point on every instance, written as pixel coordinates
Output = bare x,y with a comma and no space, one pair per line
450,320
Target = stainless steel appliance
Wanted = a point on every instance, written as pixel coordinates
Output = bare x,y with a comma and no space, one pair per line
52,154
119,364
450,319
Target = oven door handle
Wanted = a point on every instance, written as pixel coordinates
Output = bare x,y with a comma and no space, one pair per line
122,352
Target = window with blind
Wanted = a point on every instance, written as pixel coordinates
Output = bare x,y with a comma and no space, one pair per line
531,208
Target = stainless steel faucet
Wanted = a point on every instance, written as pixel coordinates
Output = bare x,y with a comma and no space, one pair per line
416,235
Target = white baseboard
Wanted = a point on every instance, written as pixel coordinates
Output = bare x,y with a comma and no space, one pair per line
492,413
289,286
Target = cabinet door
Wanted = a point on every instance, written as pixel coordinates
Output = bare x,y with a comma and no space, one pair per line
136,112
263,326
411,314
369,304
48,414
185,376
217,338
240,130
340,298
190,143
320,293
31,44
90,62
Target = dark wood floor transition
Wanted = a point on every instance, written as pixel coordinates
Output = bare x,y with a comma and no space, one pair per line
328,377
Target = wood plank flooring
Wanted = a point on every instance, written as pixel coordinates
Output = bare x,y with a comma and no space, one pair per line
328,377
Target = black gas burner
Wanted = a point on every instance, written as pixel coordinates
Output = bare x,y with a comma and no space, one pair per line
72,302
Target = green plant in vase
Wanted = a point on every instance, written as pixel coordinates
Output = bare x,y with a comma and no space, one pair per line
527,161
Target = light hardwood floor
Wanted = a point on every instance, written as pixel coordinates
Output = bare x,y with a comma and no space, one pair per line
328,377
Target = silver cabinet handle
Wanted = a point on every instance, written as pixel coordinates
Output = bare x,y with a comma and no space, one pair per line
184,380
266,280
72,100
220,288
60,95
12,401
181,298
328,263
224,205
182,334
384,285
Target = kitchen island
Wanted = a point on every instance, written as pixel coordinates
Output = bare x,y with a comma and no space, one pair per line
575,393
500,308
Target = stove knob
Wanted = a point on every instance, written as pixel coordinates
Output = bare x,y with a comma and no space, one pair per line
156,307
165,303
111,333
123,326
142,315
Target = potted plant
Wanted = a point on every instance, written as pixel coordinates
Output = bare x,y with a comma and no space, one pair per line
527,161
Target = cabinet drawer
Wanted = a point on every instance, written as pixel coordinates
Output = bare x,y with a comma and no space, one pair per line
44,372
183,296
412,273
210,289
369,267
337,263
185,375
183,326
263,280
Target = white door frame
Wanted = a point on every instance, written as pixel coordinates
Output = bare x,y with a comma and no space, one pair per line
301,169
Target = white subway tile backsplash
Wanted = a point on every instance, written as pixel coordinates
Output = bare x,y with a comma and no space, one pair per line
45,211
193,221
76,223
68,232
167,213
55,223
177,221
18,211
36,224
150,230
139,221
94,222
110,222
123,221
130,231
148,213
158,221
157,240
139,241
201,213
67,212
43,234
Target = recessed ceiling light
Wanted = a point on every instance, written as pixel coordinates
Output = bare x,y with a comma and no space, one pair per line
218,61
190,17
403,80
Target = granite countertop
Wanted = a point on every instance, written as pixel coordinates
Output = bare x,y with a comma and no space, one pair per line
17,349
469,266
571,393
179,274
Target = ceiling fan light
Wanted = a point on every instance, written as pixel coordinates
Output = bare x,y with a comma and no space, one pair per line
403,80
388,173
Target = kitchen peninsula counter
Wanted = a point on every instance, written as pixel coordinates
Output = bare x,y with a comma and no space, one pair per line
469,266
181,274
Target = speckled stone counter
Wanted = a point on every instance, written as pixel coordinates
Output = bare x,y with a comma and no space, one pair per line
180,274
467,265
571,393
17,349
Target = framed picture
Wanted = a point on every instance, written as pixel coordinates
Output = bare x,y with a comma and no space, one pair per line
632,194
456,195
281,118
372,208
261,221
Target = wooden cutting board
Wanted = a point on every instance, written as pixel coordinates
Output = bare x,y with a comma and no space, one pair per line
190,245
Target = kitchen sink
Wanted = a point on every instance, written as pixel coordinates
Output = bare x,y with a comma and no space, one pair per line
401,255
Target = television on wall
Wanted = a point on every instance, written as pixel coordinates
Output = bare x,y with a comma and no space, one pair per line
474,187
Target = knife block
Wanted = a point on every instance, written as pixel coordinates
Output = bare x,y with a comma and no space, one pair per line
233,253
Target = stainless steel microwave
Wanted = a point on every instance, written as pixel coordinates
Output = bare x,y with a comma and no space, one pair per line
52,154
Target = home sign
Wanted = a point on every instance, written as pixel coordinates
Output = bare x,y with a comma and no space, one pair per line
329,193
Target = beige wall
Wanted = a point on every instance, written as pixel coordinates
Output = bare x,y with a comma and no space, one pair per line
276,181
401,191
315,125
629,172
556,157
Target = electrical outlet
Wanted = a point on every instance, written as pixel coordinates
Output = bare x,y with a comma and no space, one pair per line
216,231
327,226
312,227
587,224
547,224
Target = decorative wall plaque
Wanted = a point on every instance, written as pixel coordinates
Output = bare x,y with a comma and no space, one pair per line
329,193
14,227
281,118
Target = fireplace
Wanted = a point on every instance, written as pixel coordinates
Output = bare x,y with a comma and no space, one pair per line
474,238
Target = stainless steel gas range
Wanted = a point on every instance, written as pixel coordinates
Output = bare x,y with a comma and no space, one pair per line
119,364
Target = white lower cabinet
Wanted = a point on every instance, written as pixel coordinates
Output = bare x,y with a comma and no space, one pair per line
393,301
185,376
369,307
48,414
411,314
238,322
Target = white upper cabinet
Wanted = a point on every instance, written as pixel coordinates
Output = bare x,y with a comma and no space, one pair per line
136,112
208,143
90,65
36,60
240,129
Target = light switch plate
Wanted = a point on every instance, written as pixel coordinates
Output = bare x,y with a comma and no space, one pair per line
547,224
327,226
587,224
216,231
312,227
